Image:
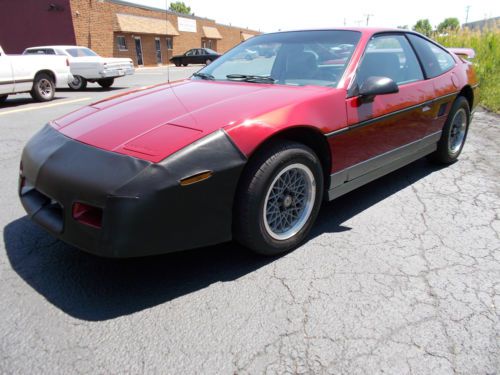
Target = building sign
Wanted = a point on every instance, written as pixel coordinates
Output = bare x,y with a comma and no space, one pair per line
186,24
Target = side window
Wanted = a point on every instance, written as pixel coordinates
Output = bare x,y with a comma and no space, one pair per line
190,52
435,60
390,56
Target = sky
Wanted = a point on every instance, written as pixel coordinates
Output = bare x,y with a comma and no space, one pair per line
274,15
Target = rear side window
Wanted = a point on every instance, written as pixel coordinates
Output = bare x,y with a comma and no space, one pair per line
390,56
435,60
40,51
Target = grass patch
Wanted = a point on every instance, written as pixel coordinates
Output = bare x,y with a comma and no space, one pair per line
486,43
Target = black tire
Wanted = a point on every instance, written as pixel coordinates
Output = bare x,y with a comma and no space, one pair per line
184,64
255,186
44,88
78,83
446,153
177,63
3,98
106,83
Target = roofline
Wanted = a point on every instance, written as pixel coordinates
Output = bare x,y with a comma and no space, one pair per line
154,9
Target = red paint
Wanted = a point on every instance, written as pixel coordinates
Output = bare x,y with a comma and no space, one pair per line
154,123
46,27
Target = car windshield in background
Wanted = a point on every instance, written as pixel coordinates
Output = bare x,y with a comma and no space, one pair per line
295,58
80,52
210,51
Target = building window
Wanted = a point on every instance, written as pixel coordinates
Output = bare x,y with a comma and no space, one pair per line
170,42
122,43
209,43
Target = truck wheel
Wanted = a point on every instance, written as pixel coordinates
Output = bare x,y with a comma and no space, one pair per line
278,198
78,83
106,83
3,98
43,88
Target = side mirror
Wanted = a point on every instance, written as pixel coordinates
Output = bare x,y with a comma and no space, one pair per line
374,86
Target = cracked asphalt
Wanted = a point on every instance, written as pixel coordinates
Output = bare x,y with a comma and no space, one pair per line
401,276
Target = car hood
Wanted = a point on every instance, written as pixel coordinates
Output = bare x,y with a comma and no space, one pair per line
155,122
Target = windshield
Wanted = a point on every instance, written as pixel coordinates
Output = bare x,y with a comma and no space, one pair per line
81,52
296,58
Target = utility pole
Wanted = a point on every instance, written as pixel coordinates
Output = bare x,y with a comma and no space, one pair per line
467,8
368,18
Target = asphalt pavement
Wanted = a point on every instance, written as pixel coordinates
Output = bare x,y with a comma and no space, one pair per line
401,276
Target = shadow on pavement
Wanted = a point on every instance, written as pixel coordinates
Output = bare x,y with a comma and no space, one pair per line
15,101
95,289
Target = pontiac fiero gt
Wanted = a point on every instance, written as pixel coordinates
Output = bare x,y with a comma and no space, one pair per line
249,147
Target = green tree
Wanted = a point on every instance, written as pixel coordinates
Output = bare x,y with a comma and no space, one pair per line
179,7
449,24
423,27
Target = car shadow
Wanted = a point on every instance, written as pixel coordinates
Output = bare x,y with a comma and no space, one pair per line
96,289
15,101
94,89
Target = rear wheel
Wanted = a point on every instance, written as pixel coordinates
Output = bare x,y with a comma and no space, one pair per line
454,133
78,83
184,64
3,98
43,88
279,198
106,83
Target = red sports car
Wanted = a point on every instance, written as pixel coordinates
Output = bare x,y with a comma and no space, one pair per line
247,149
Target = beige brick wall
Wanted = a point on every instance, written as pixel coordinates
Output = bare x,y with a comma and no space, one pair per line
94,27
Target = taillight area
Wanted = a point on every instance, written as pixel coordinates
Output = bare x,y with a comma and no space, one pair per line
67,62
87,215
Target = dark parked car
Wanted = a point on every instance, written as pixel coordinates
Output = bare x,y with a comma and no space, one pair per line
195,56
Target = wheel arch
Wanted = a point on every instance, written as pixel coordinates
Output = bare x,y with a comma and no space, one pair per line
308,136
49,72
468,94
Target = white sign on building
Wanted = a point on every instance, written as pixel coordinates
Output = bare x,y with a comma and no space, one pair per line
186,24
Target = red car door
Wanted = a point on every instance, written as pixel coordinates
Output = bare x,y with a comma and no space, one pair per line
380,127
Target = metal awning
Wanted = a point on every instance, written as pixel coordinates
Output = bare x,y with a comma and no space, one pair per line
246,36
128,23
211,32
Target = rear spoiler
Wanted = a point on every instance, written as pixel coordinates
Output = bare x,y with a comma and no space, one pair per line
467,53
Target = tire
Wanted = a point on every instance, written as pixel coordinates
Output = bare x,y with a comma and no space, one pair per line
454,133
106,83
184,64
3,98
177,63
208,62
44,88
78,83
256,218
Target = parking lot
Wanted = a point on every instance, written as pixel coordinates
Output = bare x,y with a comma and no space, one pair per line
400,276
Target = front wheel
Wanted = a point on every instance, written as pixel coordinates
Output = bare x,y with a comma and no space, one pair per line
44,88
454,133
208,62
278,199
78,83
106,83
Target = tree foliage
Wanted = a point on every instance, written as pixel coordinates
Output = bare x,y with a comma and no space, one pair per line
449,24
179,7
423,27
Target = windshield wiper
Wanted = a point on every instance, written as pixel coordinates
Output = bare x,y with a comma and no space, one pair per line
250,78
203,75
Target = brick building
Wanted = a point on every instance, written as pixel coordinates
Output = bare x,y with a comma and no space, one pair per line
112,28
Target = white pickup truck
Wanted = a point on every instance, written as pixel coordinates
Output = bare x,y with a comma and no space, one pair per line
87,66
38,75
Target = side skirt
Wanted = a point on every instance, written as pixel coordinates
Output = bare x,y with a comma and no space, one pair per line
351,178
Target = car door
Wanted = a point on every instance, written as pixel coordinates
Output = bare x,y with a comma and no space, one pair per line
438,65
6,75
189,57
379,127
